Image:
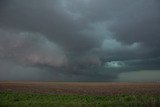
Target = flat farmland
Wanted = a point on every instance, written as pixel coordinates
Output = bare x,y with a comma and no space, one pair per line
80,88
78,94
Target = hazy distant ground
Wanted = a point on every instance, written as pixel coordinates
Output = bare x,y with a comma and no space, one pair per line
63,94
98,89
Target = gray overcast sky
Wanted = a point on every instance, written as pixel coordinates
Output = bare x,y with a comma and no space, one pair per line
80,40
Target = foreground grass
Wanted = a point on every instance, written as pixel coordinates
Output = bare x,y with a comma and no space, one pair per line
48,100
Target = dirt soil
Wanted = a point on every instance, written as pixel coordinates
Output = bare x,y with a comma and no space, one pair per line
89,88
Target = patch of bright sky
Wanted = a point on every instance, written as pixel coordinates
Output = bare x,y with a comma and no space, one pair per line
114,64
140,76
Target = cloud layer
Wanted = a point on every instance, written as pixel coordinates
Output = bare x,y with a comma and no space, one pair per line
78,40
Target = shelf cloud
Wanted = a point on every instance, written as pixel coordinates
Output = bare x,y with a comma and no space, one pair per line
79,40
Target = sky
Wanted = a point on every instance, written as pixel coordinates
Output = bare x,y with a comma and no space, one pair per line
80,40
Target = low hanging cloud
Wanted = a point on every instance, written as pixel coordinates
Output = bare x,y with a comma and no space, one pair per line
112,45
30,48
78,40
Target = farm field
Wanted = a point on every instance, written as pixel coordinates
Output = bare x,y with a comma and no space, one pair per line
61,94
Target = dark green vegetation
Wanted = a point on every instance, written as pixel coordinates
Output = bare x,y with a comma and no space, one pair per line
8,99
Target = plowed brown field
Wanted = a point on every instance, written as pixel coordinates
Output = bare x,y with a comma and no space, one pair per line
99,89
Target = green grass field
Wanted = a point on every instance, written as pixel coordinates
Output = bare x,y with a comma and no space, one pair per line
47,100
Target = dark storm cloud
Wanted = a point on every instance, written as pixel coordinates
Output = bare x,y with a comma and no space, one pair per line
48,17
140,24
78,40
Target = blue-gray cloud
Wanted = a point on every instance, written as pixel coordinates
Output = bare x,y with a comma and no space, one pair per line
78,40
